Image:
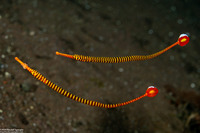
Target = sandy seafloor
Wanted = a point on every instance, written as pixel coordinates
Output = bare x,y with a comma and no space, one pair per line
34,30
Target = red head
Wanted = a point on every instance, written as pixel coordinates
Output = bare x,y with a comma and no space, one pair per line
183,39
151,91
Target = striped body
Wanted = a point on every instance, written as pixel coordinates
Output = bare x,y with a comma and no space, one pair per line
116,59
182,41
61,91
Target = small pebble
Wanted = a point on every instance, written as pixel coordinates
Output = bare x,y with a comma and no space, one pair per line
125,83
1,118
13,126
8,49
193,37
1,111
74,129
170,34
9,115
6,37
12,43
31,33
150,31
136,86
34,124
192,85
198,70
91,49
26,87
179,21
3,56
120,69
25,113
7,75
1,66
30,11
31,107
35,3
118,22
173,8
136,131
68,108
69,123
171,57
183,55
110,87
87,7
101,38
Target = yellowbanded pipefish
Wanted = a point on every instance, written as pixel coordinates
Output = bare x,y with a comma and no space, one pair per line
150,92
182,41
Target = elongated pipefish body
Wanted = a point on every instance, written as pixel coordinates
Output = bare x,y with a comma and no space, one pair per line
150,92
182,41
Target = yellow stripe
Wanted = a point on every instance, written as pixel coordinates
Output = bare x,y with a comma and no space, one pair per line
44,81
76,98
115,59
62,92
55,87
65,93
88,102
73,97
50,85
93,103
41,78
81,100
37,76
60,89
70,96
85,101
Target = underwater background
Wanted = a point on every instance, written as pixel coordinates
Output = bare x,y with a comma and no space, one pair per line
34,30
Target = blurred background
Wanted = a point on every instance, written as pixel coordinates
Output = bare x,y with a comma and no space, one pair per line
34,30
